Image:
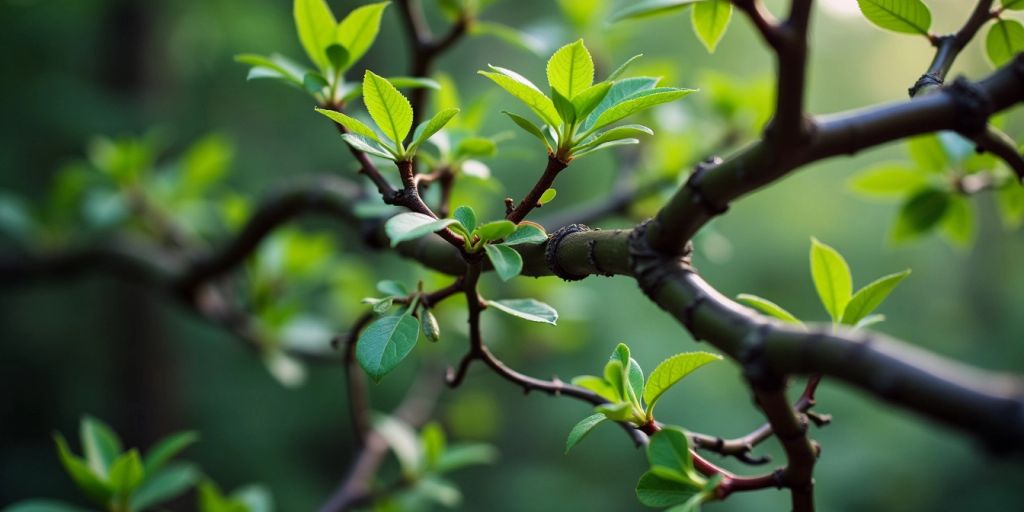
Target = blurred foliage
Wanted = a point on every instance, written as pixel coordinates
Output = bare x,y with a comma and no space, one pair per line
120,67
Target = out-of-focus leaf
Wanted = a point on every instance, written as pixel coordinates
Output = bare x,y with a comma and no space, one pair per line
958,223
166,449
710,20
316,25
42,506
126,473
649,8
412,225
928,153
100,444
1005,39
511,36
919,214
164,485
90,483
359,29
888,180
581,429
768,307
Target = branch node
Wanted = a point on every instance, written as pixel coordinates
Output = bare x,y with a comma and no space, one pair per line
652,268
592,259
693,183
551,251
926,80
755,368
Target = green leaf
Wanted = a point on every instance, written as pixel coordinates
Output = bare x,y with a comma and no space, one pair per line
1005,39
360,143
506,261
315,24
466,216
586,101
509,35
581,429
571,70
359,29
868,321
599,386
100,444
905,16
42,506
350,123
527,309
614,134
166,449
616,379
620,91
90,483
622,68
888,180
649,8
388,108
564,106
385,343
919,214
622,411
524,90
403,441
496,230
928,153
640,101
164,485
528,126
1013,5
671,371
433,441
768,307
831,277
475,146
126,473
527,234
669,448
338,57
314,83
655,491
466,454
710,20
868,298
633,376
412,225
958,222
256,498
548,196
434,125
204,164
590,149
276,67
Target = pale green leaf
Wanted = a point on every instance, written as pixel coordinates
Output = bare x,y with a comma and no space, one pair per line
359,29
831,277
868,298
710,19
671,371
166,449
928,153
428,128
768,307
527,309
581,429
616,133
506,261
385,343
524,90
622,68
599,386
360,143
350,123
604,145
388,108
164,485
571,70
510,35
957,224
888,180
315,24
528,127
100,444
412,225
462,455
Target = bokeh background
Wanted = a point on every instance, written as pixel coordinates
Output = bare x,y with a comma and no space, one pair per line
75,69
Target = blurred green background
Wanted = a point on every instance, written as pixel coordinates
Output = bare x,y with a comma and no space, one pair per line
80,68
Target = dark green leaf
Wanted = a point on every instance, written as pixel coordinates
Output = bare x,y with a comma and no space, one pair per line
166,449
338,57
466,216
920,214
710,20
42,506
314,83
527,309
506,261
581,429
165,484
412,225
619,92
831,277
385,343
566,111
587,100
768,307
669,448
655,491
905,16
637,102
670,372
1005,39
868,298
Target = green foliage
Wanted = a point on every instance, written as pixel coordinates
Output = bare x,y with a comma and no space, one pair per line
527,309
120,480
671,480
622,385
1004,40
386,342
834,284
649,8
577,107
904,16
710,20
413,225
250,498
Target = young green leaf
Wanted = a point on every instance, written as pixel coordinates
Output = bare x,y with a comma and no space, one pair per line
640,101
428,128
928,153
466,217
870,297
412,225
888,180
633,376
905,16
710,19
920,214
166,449
668,453
495,230
649,8
164,485
385,343
315,24
619,92
388,108
831,277
100,444
527,234
616,379
586,101
360,143
1005,39
622,68
564,106
868,321
581,429
671,371
616,133
275,67
958,223
90,483
622,411
338,57
768,307
548,196
506,261
590,149
528,127
524,90
359,29
126,473
571,70
510,35
599,386
350,123
527,309
654,491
